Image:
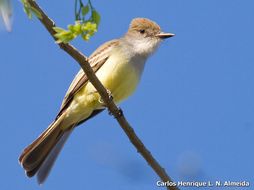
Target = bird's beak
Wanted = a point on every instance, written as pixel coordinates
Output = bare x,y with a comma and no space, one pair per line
163,35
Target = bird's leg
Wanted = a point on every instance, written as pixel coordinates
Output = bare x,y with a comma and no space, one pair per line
110,96
119,113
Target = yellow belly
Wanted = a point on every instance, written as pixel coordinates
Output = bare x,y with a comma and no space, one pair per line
117,75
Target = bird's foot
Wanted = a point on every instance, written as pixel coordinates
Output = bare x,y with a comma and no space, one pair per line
110,96
119,113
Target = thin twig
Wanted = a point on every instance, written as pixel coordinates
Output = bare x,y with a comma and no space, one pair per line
116,112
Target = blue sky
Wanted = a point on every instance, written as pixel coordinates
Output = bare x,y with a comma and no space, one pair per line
193,109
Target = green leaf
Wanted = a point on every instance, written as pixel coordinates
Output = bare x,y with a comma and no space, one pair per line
64,36
85,10
89,26
58,29
96,17
75,28
28,12
71,27
36,12
86,37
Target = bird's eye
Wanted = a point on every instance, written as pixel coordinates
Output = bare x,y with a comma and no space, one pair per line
142,31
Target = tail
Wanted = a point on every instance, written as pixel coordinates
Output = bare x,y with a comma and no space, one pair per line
39,157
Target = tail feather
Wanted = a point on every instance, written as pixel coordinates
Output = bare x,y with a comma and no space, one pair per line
47,164
40,155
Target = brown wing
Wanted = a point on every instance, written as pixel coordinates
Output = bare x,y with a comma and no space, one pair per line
97,59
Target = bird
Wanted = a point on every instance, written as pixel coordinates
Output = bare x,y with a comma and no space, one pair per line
118,64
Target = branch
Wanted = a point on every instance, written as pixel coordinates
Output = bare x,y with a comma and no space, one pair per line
116,112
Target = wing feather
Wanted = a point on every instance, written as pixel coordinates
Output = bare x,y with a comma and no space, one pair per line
96,60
